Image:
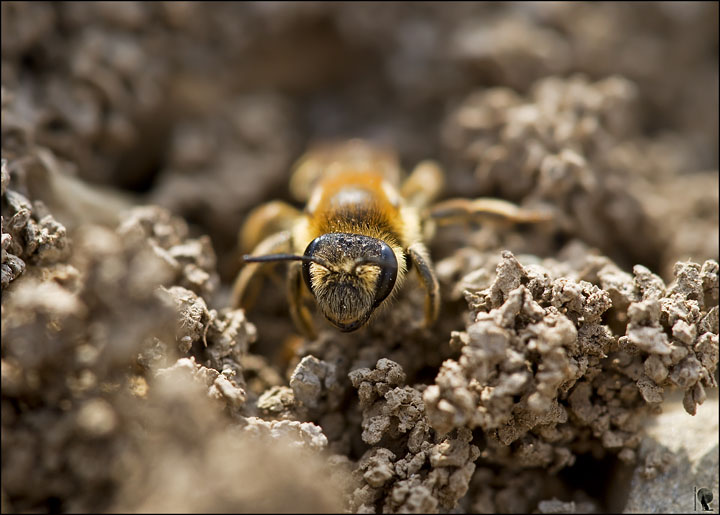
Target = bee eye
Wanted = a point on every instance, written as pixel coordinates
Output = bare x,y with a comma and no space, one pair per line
310,252
389,267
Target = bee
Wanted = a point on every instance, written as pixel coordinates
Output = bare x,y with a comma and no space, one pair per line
363,228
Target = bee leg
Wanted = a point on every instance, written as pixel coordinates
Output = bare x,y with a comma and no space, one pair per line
276,243
421,259
299,313
424,184
459,210
263,221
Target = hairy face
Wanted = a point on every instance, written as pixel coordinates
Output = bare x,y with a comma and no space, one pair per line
345,298
359,275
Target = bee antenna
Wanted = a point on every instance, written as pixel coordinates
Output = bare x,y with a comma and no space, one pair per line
285,257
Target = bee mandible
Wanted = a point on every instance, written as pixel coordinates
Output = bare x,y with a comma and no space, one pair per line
362,229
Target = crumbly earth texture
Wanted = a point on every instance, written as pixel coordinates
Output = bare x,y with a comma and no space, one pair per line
137,136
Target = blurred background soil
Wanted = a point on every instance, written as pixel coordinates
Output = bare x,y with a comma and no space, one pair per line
128,383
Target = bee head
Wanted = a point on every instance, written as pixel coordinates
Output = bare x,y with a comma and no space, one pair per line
350,275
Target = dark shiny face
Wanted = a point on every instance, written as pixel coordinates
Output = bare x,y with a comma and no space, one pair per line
360,274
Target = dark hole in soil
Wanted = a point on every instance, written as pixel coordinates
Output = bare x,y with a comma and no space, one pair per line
54,505
139,174
560,239
56,124
479,438
31,61
426,375
600,479
138,167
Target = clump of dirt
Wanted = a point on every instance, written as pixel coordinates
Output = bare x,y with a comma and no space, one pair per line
93,374
135,139
30,234
578,146
539,366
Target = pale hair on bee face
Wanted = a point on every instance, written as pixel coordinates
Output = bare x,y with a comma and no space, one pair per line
346,295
